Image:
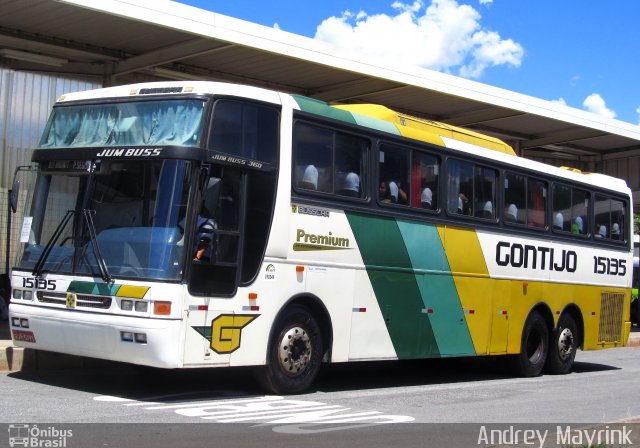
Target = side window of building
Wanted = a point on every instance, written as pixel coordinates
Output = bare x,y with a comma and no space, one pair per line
245,130
609,218
570,210
525,201
328,161
471,189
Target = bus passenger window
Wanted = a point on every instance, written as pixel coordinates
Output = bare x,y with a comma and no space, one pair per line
460,187
570,206
485,192
393,171
536,203
328,161
313,148
609,218
525,201
515,196
349,163
424,181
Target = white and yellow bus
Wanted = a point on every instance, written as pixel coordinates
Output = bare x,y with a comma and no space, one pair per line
193,224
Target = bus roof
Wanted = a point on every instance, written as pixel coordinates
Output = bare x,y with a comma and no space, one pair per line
426,130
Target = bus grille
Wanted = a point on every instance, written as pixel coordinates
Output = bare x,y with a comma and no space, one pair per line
611,305
82,300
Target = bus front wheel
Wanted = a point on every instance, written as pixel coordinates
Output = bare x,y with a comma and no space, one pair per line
563,346
294,354
534,346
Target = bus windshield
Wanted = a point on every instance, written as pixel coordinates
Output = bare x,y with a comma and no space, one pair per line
168,122
120,219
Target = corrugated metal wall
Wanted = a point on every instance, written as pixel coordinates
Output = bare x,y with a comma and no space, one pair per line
25,102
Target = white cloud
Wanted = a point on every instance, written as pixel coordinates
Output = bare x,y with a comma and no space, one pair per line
638,112
486,2
560,101
595,103
445,36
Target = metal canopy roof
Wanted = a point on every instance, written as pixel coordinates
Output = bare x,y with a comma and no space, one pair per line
125,41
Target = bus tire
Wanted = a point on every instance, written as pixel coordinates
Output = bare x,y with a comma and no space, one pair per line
534,346
294,354
562,346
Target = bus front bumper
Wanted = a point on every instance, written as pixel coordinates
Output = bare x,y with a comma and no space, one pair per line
143,341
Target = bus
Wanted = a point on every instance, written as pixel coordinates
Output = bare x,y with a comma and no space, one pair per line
204,224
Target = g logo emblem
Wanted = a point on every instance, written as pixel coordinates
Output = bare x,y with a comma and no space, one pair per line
226,331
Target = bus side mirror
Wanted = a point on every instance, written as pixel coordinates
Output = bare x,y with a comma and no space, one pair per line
14,194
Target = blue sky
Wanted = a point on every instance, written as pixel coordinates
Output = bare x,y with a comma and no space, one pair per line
581,52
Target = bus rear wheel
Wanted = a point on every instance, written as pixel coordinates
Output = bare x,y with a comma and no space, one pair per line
534,346
563,346
294,355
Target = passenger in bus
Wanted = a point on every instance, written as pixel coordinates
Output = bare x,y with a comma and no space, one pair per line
558,222
393,191
487,210
464,206
309,178
615,231
511,213
577,227
204,239
351,186
384,193
403,197
426,198
602,232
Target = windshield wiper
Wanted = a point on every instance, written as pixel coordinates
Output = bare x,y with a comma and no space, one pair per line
102,265
37,269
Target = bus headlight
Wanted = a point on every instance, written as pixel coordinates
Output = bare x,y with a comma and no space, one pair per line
126,336
27,295
142,307
17,294
141,338
126,305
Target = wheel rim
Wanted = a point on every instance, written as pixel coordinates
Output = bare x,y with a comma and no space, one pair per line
565,344
294,352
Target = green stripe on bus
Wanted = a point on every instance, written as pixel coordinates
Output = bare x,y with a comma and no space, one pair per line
103,289
318,107
437,288
394,283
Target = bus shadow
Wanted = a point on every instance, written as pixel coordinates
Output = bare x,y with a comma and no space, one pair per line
143,383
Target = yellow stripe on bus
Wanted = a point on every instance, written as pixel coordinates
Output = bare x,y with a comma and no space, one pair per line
134,292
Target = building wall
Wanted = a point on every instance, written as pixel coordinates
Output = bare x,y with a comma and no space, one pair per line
25,102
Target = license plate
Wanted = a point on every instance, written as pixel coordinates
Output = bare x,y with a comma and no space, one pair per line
22,335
